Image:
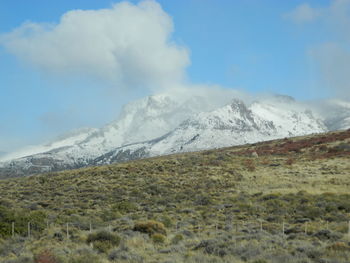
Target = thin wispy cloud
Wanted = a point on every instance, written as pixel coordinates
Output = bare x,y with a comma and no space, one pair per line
333,63
332,57
303,13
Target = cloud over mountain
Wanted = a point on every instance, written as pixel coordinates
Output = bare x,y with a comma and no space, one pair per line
127,44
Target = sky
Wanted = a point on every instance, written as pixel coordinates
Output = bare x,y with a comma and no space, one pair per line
73,63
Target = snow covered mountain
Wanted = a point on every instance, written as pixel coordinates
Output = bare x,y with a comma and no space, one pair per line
233,124
71,138
140,120
163,124
336,114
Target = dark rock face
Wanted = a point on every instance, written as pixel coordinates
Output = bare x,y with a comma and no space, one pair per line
121,155
44,163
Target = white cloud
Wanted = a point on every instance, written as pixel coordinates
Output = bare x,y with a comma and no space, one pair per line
333,63
331,58
127,44
338,16
303,13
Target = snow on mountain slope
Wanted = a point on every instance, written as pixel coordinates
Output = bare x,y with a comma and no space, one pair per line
141,120
289,117
164,124
233,124
230,125
336,114
67,140
236,124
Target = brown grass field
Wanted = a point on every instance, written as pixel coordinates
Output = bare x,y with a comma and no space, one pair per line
289,204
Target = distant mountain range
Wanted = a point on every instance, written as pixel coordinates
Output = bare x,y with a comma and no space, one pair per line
163,124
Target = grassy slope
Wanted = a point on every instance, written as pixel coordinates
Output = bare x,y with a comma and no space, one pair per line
218,195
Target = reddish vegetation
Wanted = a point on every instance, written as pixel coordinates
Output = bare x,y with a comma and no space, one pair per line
249,164
45,256
290,161
315,145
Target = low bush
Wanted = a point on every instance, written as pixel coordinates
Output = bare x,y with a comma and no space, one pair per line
103,240
85,259
150,227
166,220
118,255
249,165
46,256
158,238
176,239
20,218
124,207
339,246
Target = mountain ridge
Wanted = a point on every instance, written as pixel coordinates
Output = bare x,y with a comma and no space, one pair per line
161,124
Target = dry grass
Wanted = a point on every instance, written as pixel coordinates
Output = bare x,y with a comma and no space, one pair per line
212,201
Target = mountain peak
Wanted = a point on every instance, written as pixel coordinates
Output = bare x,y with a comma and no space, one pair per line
165,123
284,98
238,106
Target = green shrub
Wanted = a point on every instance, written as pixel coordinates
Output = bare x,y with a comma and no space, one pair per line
339,246
176,239
103,240
21,259
203,199
150,227
87,258
158,238
6,218
124,207
167,221
108,215
20,219
38,220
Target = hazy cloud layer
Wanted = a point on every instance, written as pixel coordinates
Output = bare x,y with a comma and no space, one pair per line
127,44
303,13
333,62
331,58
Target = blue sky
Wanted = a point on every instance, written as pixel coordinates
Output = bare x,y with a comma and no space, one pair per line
299,48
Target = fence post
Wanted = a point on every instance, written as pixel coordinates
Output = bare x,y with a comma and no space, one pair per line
261,225
283,228
90,229
67,228
306,228
28,229
13,229
327,227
